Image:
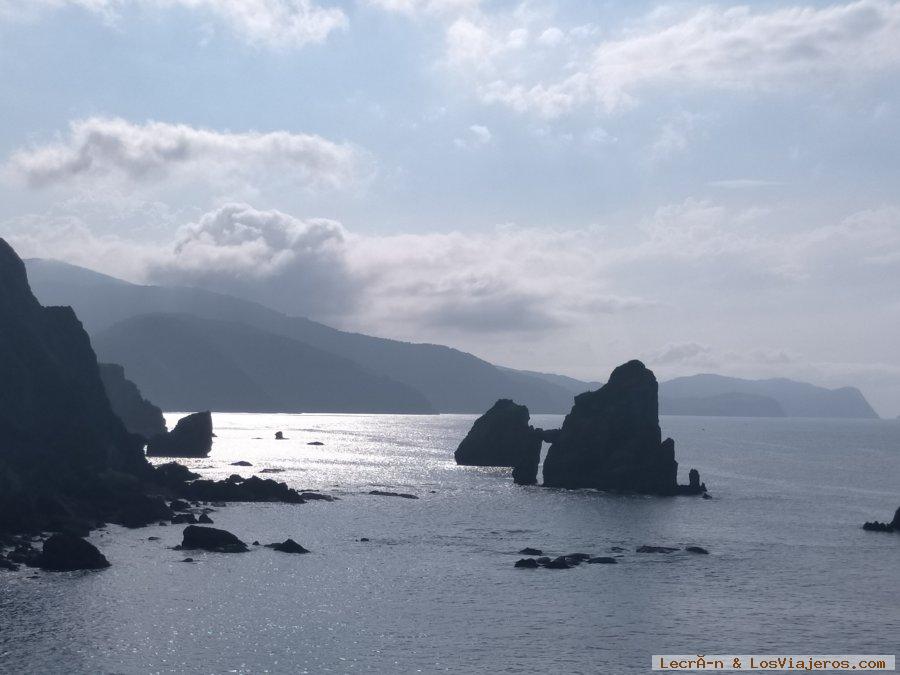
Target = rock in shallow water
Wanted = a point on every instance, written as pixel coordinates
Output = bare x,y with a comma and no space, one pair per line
527,563
655,549
531,551
211,539
603,560
242,462
696,549
67,552
288,546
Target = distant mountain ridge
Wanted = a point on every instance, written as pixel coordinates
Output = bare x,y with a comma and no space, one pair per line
796,399
446,379
450,380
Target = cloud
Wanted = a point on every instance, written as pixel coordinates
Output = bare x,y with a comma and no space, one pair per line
413,7
267,256
277,24
727,48
479,136
102,147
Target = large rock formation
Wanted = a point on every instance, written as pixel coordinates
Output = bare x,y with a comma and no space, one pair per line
191,437
138,414
611,440
893,526
58,433
503,437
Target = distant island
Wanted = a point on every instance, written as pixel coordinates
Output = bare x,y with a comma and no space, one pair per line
190,349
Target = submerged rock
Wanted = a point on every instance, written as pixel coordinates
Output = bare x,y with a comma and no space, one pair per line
602,560
64,552
288,546
211,539
382,493
560,563
531,551
655,549
316,497
503,437
611,440
696,549
315,443
242,462
191,437
270,470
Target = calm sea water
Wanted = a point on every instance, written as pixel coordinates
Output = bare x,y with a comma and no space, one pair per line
434,590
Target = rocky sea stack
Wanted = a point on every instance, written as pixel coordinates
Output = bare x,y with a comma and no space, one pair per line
191,437
611,440
503,437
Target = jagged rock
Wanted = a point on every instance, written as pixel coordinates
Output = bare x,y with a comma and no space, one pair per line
242,462
67,552
382,493
279,435
139,510
179,505
560,563
288,546
191,437
696,549
527,563
655,549
173,475
205,519
893,526
58,432
137,413
602,560
211,539
503,437
238,489
611,439
531,551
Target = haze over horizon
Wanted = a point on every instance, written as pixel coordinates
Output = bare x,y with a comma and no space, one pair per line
554,186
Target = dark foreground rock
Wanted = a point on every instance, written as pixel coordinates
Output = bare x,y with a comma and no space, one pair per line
211,539
611,440
64,552
58,432
288,546
893,526
602,560
242,462
191,437
138,414
527,563
503,437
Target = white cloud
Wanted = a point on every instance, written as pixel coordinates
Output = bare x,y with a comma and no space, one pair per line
731,48
268,23
412,7
478,136
100,147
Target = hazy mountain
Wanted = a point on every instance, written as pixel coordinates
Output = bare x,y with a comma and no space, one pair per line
797,399
181,361
570,384
452,380
729,404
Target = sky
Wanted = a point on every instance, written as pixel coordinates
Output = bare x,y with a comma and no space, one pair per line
552,185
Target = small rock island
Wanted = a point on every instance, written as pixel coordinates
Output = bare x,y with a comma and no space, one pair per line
610,440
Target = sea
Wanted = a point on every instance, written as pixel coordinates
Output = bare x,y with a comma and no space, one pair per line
434,588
